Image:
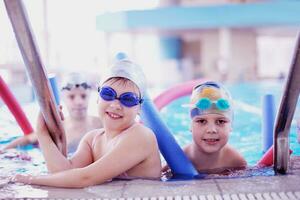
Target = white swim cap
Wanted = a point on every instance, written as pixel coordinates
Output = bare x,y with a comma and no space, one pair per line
75,80
129,70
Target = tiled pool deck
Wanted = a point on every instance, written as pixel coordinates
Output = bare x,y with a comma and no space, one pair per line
251,187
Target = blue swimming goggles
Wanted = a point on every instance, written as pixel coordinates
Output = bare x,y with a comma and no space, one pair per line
69,86
128,99
205,104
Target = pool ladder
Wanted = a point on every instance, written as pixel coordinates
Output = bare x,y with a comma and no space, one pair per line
285,114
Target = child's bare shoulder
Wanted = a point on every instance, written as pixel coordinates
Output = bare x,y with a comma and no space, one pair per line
142,130
234,156
93,134
230,152
141,133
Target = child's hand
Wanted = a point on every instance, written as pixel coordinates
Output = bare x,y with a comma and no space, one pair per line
166,172
27,179
41,125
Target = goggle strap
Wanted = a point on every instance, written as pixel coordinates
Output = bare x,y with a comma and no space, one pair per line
70,86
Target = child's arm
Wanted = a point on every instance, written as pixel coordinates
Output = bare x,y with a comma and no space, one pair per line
72,178
131,150
22,141
55,160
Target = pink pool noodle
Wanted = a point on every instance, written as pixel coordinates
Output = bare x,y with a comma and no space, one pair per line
268,159
15,108
175,92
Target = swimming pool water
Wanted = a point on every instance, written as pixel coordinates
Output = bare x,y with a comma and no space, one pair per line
246,136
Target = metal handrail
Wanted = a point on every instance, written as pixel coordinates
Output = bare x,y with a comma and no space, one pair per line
36,71
285,114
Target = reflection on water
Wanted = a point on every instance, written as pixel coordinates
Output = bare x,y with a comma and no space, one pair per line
19,161
22,191
3,181
223,173
242,173
15,161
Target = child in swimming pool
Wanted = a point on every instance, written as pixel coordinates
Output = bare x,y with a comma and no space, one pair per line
123,147
211,112
75,94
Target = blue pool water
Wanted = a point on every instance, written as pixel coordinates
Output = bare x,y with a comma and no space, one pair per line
246,135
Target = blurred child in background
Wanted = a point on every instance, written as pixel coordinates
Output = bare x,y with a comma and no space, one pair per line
75,92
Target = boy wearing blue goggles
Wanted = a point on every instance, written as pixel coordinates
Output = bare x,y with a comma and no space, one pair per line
211,112
123,149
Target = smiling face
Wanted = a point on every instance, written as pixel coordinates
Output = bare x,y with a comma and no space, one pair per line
76,100
210,132
115,116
